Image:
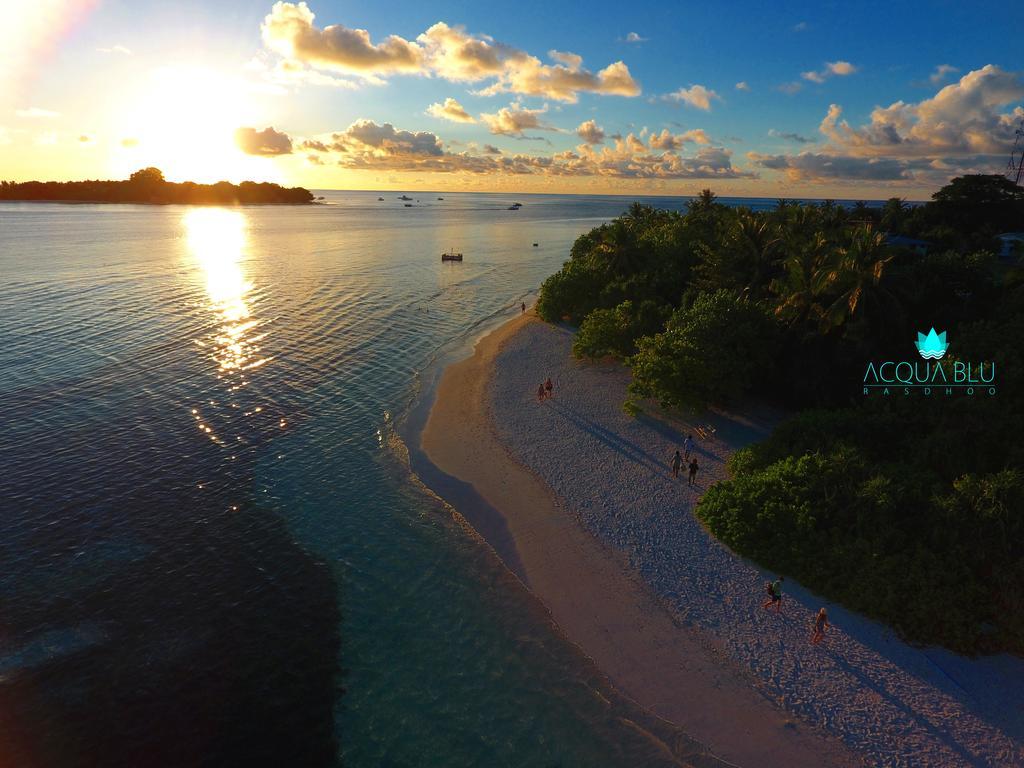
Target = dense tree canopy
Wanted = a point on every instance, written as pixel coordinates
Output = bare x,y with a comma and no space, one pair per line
148,186
906,509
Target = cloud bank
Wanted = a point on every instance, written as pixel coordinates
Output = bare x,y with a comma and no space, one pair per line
441,51
365,145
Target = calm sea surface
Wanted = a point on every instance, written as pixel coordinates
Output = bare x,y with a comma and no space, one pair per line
205,500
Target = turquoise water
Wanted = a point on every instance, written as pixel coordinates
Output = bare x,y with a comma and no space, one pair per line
206,501
188,393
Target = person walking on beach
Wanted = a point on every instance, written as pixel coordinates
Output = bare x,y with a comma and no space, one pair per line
774,589
677,462
820,625
549,387
687,446
540,393
522,307
693,471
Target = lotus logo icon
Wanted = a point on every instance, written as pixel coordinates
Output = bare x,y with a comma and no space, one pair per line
933,346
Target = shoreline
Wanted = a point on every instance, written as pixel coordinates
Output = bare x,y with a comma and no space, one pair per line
591,592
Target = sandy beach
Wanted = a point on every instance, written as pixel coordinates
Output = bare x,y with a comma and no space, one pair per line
582,506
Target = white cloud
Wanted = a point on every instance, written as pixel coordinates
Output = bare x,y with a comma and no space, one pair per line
120,49
590,132
800,26
450,110
266,143
633,37
514,119
288,30
963,118
36,112
674,141
443,51
695,96
941,72
742,86
831,68
966,127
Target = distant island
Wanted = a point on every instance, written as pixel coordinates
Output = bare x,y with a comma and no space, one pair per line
148,186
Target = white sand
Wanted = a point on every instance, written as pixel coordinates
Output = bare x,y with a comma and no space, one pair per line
890,703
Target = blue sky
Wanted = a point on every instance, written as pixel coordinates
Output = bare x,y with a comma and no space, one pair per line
101,87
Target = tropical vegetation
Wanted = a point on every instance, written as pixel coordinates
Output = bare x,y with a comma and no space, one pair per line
907,507
149,186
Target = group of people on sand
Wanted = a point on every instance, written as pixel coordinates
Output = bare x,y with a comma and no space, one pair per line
772,588
545,390
774,599
691,464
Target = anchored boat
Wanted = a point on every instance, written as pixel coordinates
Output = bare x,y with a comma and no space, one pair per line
451,256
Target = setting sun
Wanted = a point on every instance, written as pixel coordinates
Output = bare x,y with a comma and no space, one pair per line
185,122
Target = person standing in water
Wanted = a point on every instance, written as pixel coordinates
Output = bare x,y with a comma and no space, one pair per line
687,446
820,625
677,462
549,387
693,471
774,589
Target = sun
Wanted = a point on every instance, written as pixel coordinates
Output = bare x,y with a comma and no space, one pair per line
184,123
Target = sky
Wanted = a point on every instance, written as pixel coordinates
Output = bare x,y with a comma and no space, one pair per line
824,100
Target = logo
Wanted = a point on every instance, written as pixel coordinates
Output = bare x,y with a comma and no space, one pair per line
932,376
933,346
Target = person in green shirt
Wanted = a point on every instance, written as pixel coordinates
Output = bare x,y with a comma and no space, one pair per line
774,590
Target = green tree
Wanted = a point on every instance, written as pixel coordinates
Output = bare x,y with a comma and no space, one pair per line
713,351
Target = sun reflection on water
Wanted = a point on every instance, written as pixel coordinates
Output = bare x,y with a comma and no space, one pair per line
217,241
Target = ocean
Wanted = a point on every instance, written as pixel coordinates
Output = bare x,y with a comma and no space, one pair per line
212,547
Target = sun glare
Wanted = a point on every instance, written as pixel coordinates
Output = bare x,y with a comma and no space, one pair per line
185,124
216,239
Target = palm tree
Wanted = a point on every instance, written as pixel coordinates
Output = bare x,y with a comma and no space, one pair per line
797,290
617,247
704,202
893,213
756,242
854,275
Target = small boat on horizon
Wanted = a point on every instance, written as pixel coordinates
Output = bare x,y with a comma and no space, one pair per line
380,199
408,205
515,206
404,197
440,198
451,256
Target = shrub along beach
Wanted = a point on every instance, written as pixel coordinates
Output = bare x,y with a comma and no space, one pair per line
907,507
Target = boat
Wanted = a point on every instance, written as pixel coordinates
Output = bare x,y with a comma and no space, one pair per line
515,206
408,205
534,245
380,199
404,197
451,256
440,198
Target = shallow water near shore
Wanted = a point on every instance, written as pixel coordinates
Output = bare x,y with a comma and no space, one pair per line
205,498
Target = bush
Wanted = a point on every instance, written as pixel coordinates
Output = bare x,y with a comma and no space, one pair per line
715,350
